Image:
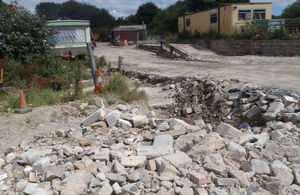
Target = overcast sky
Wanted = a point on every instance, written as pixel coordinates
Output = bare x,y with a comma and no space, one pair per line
124,8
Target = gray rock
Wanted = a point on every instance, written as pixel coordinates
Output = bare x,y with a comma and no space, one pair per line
101,176
32,155
139,121
186,191
226,181
273,110
76,183
117,188
162,145
122,107
41,191
179,159
253,112
282,172
259,166
41,164
176,124
112,118
296,171
274,185
241,176
30,188
130,189
215,163
98,115
236,151
229,132
115,178
163,127
106,190
54,172
125,124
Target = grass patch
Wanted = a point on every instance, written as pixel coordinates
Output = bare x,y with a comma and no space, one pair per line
38,97
119,85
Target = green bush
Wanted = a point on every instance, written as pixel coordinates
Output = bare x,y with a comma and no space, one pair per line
280,34
249,32
118,85
22,35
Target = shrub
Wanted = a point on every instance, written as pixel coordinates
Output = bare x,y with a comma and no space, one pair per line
250,32
22,35
280,34
118,85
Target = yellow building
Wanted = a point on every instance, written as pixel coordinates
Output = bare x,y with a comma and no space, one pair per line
224,18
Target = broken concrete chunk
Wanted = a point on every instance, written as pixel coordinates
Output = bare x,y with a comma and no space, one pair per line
259,166
139,120
117,188
229,132
226,182
30,188
199,178
41,164
179,159
288,100
176,124
112,118
98,115
215,163
296,172
236,151
163,127
273,110
162,145
53,172
105,190
76,183
282,172
125,124
133,161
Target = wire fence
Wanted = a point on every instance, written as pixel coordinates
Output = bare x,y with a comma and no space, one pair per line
292,26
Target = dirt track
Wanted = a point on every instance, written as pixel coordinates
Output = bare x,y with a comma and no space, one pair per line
281,72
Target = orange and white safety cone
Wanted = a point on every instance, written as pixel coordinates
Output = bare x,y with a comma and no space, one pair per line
23,105
98,88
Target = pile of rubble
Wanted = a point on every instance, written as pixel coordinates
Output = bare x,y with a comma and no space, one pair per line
117,151
235,102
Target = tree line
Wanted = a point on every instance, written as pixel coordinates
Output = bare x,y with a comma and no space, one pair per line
159,21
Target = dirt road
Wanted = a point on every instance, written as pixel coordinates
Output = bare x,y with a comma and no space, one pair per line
281,72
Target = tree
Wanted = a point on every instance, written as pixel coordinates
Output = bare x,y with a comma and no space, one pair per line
74,10
48,10
146,12
292,11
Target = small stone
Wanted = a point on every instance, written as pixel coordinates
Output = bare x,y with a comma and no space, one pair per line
115,178
99,115
30,188
179,159
226,181
288,100
76,183
117,188
68,151
186,191
139,121
101,176
103,155
236,151
3,176
151,165
113,117
130,189
133,161
273,110
125,124
10,156
163,127
241,176
60,133
199,178
27,170
162,145
41,191
41,164
33,177
54,172
121,107
78,165
106,190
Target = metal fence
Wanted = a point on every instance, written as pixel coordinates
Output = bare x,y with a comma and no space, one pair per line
290,25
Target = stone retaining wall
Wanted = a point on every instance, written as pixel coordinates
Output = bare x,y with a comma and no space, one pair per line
253,47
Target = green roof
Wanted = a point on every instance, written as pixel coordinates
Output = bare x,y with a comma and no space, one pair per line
68,23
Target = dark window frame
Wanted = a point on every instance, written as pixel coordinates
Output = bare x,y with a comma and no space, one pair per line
259,12
188,22
244,14
213,18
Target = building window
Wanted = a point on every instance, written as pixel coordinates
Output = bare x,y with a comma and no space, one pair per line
245,14
188,22
213,18
259,14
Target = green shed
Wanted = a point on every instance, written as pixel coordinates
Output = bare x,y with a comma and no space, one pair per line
70,35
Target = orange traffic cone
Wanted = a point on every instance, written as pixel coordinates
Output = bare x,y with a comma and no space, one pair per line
98,88
23,105
125,42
